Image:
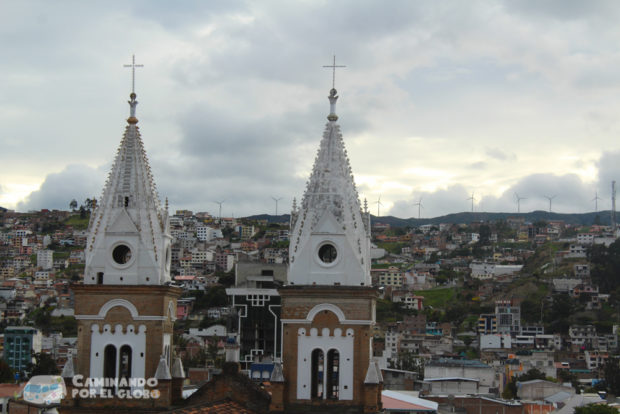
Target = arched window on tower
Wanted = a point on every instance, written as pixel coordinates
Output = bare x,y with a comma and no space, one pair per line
332,377
124,362
109,365
318,360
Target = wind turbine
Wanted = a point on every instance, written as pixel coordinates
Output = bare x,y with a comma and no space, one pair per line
595,199
550,198
276,200
220,204
378,205
472,198
419,204
519,202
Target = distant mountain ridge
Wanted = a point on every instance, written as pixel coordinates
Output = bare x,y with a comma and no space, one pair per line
604,218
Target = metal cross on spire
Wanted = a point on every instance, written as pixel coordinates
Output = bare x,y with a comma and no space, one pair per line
334,66
133,67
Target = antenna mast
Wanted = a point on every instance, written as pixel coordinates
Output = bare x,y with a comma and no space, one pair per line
613,207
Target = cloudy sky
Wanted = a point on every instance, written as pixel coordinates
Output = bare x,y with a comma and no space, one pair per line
439,100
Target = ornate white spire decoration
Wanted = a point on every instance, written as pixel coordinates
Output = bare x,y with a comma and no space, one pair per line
330,242
129,237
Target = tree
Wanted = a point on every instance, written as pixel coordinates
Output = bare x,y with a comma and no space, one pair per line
42,318
44,365
611,372
532,374
562,308
213,349
226,279
510,390
73,205
88,204
485,234
214,297
531,309
6,372
605,266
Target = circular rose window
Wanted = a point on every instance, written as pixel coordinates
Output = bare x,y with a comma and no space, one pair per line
327,253
121,254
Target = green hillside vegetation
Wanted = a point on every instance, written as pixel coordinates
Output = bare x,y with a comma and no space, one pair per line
392,247
77,222
437,298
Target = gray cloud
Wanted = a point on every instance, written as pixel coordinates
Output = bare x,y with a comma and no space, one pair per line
564,9
74,182
438,203
233,96
608,171
570,194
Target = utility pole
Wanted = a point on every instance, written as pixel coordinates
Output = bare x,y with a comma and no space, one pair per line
613,207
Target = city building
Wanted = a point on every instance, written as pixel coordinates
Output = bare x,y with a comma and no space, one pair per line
257,304
508,314
45,259
20,345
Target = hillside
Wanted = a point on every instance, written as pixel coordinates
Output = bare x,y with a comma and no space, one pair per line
466,217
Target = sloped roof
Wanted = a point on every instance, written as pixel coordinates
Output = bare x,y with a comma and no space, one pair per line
223,407
394,400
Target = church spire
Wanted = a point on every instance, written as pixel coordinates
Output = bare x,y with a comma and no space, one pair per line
129,237
330,225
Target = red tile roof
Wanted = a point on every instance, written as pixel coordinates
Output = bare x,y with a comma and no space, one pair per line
224,407
8,390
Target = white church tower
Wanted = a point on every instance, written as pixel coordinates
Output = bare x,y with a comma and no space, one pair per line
330,242
125,309
129,239
328,305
